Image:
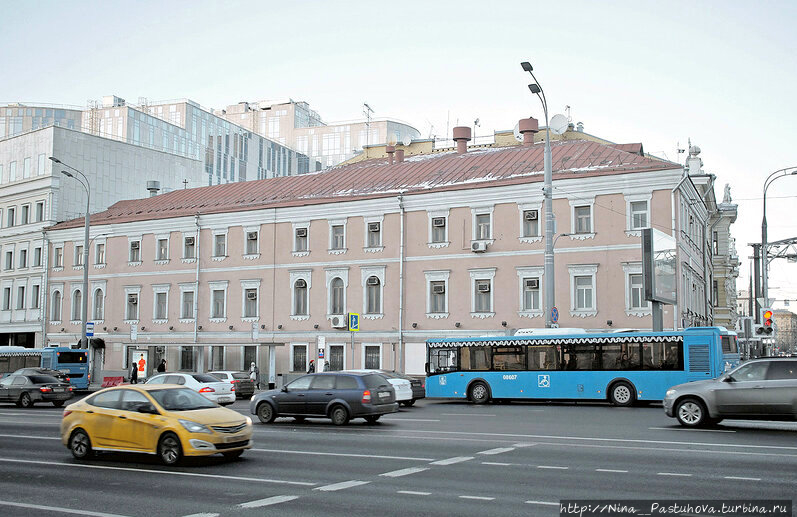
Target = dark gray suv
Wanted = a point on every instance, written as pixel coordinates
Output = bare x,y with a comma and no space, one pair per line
339,396
760,389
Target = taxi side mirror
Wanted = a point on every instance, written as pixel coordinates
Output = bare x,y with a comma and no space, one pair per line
148,408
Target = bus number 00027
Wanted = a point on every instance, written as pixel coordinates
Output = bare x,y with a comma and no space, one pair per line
510,377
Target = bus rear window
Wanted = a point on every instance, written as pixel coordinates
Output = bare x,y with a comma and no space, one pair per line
71,357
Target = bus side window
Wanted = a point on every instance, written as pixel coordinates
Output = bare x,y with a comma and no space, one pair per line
47,361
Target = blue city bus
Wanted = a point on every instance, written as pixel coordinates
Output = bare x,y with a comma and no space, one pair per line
73,362
622,368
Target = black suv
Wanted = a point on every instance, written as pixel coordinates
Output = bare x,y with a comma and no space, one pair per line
339,396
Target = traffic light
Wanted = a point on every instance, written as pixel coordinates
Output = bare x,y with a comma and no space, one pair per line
766,323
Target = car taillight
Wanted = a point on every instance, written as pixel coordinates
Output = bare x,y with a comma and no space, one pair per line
67,379
71,388
206,389
366,397
236,380
233,388
67,413
45,389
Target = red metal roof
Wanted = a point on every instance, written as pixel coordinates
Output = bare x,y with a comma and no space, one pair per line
377,178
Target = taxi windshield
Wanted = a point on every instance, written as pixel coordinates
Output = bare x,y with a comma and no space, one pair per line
182,399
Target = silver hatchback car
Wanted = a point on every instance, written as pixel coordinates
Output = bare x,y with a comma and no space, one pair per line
760,389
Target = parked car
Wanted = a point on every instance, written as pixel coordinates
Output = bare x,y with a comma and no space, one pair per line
418,385
218,391
402,386
26,390
760,389
170,421
61,376
244,387
339,396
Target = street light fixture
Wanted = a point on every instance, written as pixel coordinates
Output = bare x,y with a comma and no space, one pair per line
548,270
85,299
787,171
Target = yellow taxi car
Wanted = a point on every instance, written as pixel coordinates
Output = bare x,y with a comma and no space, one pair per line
168,420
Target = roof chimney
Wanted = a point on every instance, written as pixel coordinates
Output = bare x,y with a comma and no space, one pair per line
580,127
527,128
399,155
153,187
461,137
390,149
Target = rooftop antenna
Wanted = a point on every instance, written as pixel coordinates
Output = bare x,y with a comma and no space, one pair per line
475,123
185,184
367,112
567,109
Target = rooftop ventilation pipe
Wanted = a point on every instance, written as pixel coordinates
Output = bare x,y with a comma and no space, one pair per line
527,128
390,149
461,137
399,155
154,187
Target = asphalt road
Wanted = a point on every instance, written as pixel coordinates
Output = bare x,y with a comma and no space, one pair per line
437,458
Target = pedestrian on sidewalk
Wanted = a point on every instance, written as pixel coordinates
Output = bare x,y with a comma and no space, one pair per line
134,374
162,366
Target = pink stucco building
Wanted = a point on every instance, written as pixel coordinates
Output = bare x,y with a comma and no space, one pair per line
441,245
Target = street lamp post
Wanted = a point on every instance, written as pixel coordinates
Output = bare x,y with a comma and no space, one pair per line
787,171
548,271
83,341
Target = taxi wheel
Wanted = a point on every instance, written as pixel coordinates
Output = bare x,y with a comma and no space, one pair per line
266,413
169,449
232,454
339,415
25,401
58,403
80,444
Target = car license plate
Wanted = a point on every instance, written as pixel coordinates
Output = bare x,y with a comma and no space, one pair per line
383,394
230,439
58,389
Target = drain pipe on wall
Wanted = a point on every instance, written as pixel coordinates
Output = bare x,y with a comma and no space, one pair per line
196,288
401,286
677,307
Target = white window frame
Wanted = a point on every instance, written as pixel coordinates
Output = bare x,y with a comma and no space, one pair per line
306,357
630,231
581,202
156,290
35,301
634,268
477,211
56,288
58,251
332,273
132,289
381,353
22,302
583,270
250,284
295,226
380,246
187,287
219,285
74,288
195,236
256,254
487,273
524,272
365,273
97,242
130,241
436,276
307,276
158,238
432,214
524,207
332,223
77,258
217,232
97,287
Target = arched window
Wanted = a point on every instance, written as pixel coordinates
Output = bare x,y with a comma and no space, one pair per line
99,305
56,306
373,295
300,298
336,296
77,305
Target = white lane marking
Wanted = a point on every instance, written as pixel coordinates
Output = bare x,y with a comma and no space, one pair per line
59,509
524,444
410,492
164,472
268,501
202,515
24,436
341,486
465,414
739,478
693,430
612,470
451,461
499,450
314,453
477,498
404,472
551,467
496,463
410,420
545,503
28,422
678,474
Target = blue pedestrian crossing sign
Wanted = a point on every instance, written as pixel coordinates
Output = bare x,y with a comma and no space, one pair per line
89,329
354,322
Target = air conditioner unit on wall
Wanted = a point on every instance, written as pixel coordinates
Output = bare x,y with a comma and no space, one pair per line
530,215
484,288
438,221
252,236
373,227
478,246
135,245
189,241
439,289
251,295
339,321
132,298
532,283
301,232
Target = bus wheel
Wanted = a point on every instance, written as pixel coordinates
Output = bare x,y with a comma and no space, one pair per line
479,393
622,394
691,413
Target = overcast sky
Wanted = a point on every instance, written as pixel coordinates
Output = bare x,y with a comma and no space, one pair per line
721,73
